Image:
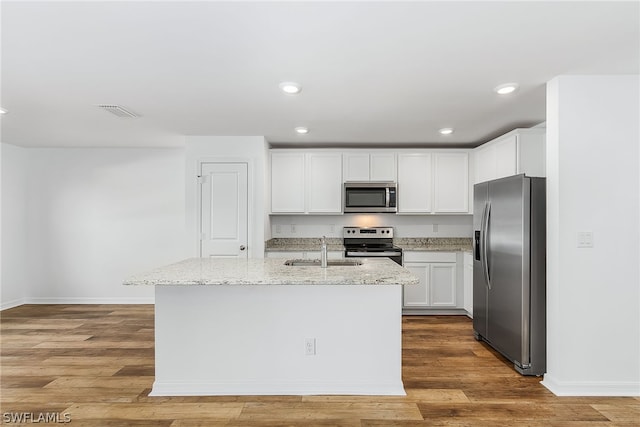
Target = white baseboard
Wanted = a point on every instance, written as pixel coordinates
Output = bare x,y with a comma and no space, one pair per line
591,388
11,304
78,300
285,388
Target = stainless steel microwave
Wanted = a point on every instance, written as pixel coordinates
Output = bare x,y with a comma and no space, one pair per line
370,197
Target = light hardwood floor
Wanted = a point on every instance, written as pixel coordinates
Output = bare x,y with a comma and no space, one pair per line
95,364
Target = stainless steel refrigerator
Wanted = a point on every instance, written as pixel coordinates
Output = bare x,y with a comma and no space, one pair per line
509,269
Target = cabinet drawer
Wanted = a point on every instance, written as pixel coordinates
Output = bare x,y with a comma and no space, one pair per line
420,256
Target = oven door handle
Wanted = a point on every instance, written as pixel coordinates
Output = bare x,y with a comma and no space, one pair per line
373,254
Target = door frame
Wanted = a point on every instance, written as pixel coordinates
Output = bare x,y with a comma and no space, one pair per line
250,201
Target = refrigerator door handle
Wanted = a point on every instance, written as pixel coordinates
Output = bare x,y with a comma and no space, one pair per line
483,234
485,245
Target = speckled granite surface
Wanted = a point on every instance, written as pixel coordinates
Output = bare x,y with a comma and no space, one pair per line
208,271
302,244
435,244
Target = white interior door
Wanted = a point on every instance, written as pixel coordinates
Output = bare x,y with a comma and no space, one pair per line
224,210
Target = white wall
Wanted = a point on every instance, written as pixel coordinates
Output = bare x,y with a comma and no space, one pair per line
96,216
249,149
14,284
405,225
593,295
76,222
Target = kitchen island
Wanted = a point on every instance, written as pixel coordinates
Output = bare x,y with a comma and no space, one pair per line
258,327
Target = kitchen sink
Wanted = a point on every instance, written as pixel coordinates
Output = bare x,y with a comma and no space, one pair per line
316,262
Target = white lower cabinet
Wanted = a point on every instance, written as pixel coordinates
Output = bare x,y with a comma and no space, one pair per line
468,282
438,287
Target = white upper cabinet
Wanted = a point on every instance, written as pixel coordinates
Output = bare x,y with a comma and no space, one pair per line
324,182
506,152
369,166
451,182
311,181
414,183
519,151
433,182
287,182
306,182
356,166
382,167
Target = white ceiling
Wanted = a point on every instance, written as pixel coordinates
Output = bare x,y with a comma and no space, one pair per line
372,72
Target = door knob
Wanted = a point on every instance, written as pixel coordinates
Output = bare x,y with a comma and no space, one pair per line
243,247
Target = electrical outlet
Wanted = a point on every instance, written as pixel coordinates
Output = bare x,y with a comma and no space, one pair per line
278,229
293,228
310,346
435,228
333,228
585,239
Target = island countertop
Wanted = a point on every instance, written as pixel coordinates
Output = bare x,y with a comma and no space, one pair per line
216,271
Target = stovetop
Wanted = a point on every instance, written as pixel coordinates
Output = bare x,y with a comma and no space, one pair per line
369,239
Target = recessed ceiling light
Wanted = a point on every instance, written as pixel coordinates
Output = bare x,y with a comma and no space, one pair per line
291,88
118,110
446,131
3,111
506,88
302,130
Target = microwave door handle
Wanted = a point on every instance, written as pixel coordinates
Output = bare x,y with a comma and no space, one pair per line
387,197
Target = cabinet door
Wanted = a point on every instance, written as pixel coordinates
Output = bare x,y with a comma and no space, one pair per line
356,167
451,182
531,154
414,183
468,282
287,182
506,157
442,285
382,167
417,296
485,164
324,183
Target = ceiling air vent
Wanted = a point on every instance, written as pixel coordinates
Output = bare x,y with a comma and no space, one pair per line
118,110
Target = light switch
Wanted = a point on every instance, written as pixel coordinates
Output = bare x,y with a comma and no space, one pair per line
585,239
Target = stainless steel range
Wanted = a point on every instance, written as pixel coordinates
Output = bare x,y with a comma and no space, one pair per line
370,242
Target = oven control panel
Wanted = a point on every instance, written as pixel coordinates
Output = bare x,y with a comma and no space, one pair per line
367,232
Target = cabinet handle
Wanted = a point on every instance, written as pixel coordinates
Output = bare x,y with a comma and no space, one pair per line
243,247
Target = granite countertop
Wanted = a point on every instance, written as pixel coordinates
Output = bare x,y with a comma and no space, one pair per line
302,244
212,271
433,244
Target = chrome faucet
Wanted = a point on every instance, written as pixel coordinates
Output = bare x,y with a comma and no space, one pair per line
323,252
